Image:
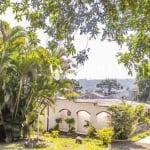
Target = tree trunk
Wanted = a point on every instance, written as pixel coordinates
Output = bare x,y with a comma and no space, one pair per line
2,133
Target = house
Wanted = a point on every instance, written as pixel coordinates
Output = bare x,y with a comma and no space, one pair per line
93,110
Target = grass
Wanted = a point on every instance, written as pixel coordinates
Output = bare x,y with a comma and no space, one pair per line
69,144
140,135
12,146
60,144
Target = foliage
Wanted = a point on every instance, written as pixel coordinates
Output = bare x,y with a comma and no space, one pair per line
77,86
58,121
125,21
106,86
30,79
70,122
61,143
147,121
143,89
124,118
91,131
55,134
137,136
46,134
69,143
105,135
137,56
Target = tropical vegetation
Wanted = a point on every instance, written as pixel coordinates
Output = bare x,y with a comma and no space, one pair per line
125,21
143,93
124,119
30,78
70,122
105,135
137,136
61,143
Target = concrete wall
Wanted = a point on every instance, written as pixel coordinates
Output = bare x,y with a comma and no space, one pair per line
80,111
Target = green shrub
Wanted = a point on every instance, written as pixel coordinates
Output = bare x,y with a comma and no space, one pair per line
58,121
70,122
47,134
139,135
124,118
91,131
105,135
55,133
56,127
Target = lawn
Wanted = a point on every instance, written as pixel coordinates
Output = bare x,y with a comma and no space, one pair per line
60,144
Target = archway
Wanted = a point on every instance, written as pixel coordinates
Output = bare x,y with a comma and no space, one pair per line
103,119
64,113
82,117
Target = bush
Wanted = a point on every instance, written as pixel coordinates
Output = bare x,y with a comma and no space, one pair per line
55,134
105,135
139,135
91,131
47,134
70,122
124,118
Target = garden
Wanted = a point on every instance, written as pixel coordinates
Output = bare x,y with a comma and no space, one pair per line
33,75
59,143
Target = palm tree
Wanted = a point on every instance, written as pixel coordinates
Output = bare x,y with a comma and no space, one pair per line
70,122
11,40
27,79
58,121
18,67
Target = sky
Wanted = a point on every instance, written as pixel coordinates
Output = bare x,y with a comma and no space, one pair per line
102,62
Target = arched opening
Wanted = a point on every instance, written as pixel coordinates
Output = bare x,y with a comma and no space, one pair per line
103,119
64,113
82,117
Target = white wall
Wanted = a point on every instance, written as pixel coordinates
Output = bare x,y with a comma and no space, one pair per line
80,111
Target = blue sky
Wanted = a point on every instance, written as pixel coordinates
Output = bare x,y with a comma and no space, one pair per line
102,61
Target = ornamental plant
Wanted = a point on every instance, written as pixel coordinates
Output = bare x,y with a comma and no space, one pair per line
105,135
124,118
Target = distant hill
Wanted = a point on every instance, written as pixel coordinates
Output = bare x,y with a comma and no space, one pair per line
91,84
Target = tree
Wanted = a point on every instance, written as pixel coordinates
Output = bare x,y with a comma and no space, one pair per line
124,118
143,89
70,122
125,21
58,121
77,86
106,86
28,80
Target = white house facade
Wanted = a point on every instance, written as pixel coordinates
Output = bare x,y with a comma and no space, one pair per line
93,110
